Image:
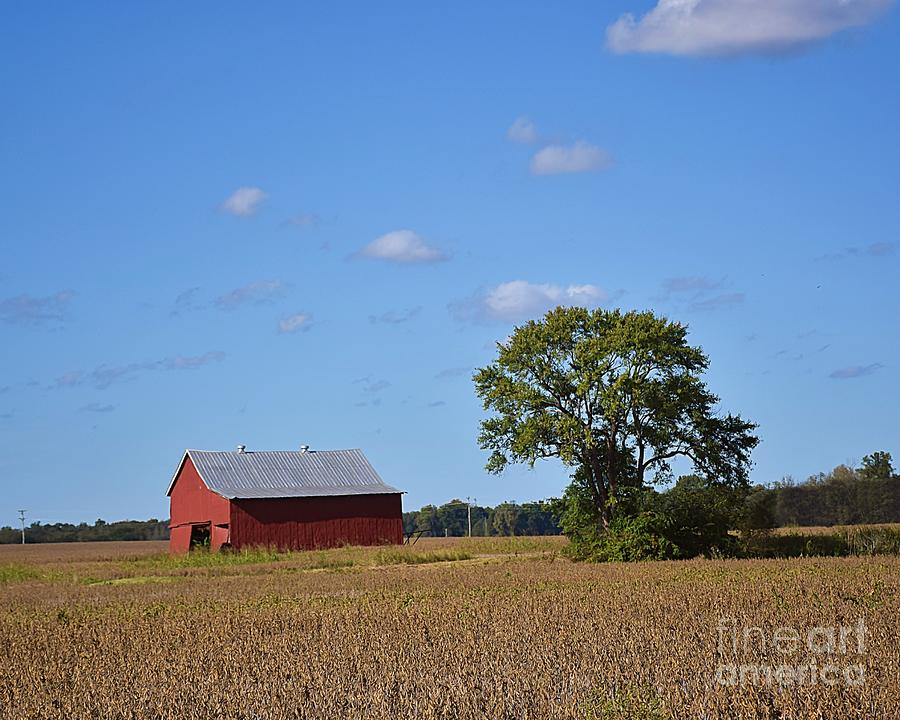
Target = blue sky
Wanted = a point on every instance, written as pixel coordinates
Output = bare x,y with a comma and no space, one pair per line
227,223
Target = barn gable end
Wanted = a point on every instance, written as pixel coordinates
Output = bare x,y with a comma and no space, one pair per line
194,504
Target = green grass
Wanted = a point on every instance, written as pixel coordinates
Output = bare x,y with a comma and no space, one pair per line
160,567
13,573
137,580
411,557
205,558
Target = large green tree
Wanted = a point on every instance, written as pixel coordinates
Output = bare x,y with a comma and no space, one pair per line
616,396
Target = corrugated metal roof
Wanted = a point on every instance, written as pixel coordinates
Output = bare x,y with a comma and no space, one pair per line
282,473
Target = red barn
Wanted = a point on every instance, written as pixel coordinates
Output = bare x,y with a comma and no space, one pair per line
287,499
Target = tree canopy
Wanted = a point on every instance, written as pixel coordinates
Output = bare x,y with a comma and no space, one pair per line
876,466
615,396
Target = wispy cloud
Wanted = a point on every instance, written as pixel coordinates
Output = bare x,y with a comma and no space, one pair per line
454,372
402,246
189,362
255,293
69,379
376,386
103,376
374,402
437,403
303,219
689,284
27,309
519,300
874,250
371,385
522,131
187,302
96,408
732,27
395,317
717,302
244,202
296,322
695,293
855,371
562,159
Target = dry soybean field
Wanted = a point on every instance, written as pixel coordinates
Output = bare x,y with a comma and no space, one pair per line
452,628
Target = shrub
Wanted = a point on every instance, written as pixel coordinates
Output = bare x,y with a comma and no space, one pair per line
642,537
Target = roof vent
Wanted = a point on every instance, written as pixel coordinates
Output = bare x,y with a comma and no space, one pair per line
304,448
241,448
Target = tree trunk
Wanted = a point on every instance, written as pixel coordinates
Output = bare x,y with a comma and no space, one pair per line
602,496
612,470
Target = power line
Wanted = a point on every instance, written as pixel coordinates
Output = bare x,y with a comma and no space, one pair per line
22,519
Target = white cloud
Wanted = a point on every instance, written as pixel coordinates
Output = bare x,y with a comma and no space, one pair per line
402,246
730,27
244,201
522,131
256,293
577,158
519,300
293,323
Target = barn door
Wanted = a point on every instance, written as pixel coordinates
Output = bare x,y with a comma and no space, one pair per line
200,536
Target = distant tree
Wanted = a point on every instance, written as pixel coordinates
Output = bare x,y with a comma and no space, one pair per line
453,517
758,512
876,466
506,519
427,519
152,529
616,396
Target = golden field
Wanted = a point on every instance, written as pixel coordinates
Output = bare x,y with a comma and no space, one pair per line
450,628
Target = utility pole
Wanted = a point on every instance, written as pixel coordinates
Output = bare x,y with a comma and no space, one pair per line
22,519
469,502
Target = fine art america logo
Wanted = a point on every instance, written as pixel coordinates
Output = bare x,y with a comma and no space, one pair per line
820,655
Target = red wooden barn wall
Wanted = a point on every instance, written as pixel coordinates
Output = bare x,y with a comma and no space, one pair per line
317,522
288,523
191,502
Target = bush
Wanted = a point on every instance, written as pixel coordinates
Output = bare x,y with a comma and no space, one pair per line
700,515
628,539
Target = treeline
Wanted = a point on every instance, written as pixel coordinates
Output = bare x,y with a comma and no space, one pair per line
845,496
152,529
452,519
699,516
869,494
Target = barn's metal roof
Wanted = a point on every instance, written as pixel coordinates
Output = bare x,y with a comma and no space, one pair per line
282,473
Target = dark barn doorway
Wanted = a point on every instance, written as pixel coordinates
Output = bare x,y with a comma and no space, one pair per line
200,536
